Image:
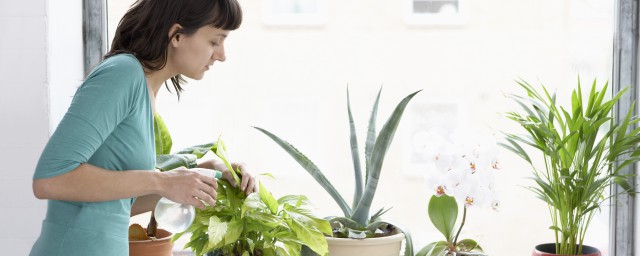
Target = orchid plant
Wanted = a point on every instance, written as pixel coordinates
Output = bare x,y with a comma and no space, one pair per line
462,169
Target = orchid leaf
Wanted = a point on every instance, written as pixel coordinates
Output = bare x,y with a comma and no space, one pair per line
443,212
434,249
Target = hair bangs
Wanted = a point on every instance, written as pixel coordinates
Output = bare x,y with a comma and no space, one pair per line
226,15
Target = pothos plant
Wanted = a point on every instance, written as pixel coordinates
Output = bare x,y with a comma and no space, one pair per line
462,173
241,225
357,220
256,224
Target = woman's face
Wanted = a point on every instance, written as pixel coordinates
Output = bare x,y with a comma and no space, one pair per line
192,55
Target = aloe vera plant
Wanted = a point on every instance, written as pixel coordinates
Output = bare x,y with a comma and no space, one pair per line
580,146
358,222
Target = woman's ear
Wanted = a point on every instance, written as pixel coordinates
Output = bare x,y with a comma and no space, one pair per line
174,34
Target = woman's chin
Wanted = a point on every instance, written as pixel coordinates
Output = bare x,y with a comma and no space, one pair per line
195,76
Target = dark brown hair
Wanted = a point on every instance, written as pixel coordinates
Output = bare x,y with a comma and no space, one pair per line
142,31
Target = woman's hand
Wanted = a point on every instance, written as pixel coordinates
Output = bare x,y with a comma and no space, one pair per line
248,183
188,186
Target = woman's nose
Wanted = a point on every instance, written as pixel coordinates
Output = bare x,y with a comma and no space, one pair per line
218,54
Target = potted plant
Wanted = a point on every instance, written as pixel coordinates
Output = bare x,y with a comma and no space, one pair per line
240,225
580,145
462,171
358,221
254,225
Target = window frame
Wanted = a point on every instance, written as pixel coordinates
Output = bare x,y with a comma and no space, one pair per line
94,32
624,73
412,18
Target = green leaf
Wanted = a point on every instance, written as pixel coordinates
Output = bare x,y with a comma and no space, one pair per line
304,225
376,216
220,150
268,199
313,239
346,222
198,150
433,249
162,136
355,155
408,245
443,212
312,169
282,252
252,202
217,230
170,162
468,245
371,134
296,200
383,141
234,230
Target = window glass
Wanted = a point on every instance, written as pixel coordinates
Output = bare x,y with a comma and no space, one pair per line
435,12
294,12
292,81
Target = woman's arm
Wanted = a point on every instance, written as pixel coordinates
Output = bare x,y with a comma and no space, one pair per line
144,204
89,183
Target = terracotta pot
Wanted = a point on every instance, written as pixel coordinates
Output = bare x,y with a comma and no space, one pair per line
380,246
549,250
160,247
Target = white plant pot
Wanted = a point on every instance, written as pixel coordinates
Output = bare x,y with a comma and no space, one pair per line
380,246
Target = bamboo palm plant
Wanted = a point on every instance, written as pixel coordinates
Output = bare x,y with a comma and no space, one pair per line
580,146
358,222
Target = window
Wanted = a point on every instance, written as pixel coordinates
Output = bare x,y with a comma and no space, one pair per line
294,12
435,12
272,79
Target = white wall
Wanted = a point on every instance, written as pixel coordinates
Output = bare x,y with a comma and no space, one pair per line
31,64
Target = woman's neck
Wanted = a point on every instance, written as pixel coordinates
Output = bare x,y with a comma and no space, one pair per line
155,79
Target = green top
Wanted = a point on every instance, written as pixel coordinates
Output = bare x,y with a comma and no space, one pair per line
110,125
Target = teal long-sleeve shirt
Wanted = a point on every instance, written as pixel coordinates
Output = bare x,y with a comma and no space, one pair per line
110,125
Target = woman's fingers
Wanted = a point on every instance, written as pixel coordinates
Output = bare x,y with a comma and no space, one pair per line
191,186
197,203
208,177
247,184
210,199
251,185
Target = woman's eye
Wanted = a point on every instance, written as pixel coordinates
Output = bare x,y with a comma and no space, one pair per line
214,43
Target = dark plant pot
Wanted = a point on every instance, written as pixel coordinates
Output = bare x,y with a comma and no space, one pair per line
550,249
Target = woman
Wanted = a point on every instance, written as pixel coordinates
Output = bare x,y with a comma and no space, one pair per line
97,168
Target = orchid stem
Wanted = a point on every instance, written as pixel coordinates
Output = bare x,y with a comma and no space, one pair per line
464,217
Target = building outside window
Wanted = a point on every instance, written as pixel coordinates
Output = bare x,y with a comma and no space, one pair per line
435,12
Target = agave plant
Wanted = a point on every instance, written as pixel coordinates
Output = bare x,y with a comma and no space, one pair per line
358,222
